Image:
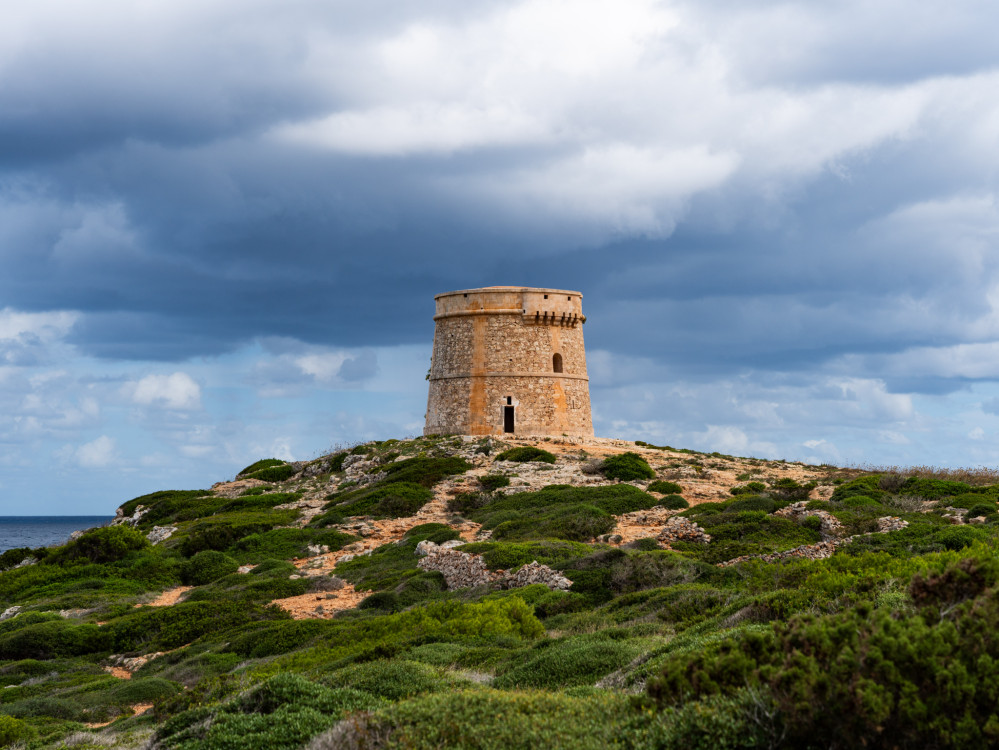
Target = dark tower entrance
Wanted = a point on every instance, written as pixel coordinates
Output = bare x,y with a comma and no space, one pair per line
508,415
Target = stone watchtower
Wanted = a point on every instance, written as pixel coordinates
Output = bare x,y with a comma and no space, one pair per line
509,359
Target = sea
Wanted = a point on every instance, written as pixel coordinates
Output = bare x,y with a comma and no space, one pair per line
43,531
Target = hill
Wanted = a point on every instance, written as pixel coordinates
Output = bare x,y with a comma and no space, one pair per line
456,592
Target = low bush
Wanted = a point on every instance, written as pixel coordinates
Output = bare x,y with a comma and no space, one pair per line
165,628
525,454
264,463
286,543
492,482
982,509
104,545
283,712
674,502
567,662
165,504
425,472
392,680
494,720
14,730
791,491
52,639
751,488
391,500
511,555
664,488
865,676
274,473
626,466
280,637
207,566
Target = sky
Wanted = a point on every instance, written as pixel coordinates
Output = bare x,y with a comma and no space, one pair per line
223,222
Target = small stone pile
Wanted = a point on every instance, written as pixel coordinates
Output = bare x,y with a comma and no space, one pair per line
426,547
831,527
818,551
461,570
891,523
535,572
682,529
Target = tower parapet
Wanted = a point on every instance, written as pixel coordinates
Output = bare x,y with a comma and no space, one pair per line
509,360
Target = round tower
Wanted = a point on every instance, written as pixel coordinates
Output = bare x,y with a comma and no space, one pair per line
509,359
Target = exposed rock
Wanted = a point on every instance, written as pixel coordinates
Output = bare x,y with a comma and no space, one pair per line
831,527
318,549
120,517
29,560
682,529
610,538
159,533
891,523
10,612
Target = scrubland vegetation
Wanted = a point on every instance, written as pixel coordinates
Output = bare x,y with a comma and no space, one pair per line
890,642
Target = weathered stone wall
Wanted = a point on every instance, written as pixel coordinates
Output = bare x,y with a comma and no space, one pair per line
499,343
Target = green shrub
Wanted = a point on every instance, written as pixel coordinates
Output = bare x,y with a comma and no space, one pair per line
12,557
861,501
578,523
164,628
525,454
789,490
626,466
564,663
393,680
143,690
664,488
489,719
286,543
104,545
52,639
492,482
14,730
208,566
867,676
982,509
674,502
755,502
752,488
385,601
391,500
283,712
336,463
511,555
425,472
164,504
264,463
274,473
280,637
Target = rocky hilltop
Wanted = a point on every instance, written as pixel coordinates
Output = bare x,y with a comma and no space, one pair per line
459,592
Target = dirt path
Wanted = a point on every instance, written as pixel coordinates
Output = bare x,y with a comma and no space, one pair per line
321,606
168,597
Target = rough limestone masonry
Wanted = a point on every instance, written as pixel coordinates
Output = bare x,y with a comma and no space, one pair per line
509,360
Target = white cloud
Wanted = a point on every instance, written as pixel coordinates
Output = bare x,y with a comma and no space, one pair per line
47,326
176,391
97,453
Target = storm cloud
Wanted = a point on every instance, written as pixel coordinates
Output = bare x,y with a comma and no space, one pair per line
222,224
